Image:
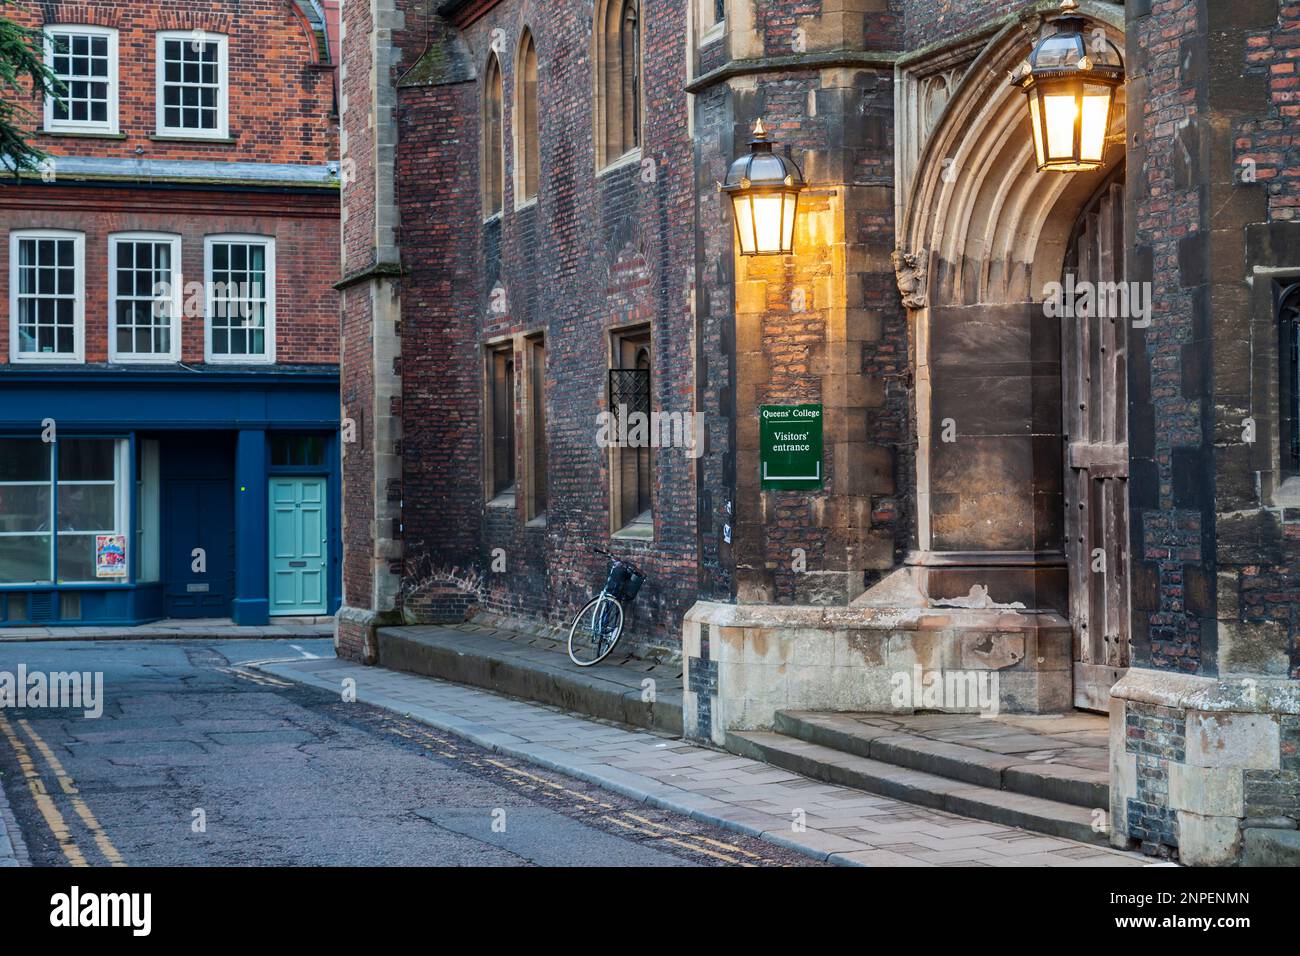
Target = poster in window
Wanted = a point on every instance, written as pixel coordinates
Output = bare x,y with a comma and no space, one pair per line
110,555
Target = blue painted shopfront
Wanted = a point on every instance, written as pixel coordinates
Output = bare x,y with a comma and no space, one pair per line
153,498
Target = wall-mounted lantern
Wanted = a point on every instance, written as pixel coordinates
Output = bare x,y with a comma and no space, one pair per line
764,189
1070,80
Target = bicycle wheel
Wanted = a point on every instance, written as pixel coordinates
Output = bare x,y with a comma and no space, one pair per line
595,630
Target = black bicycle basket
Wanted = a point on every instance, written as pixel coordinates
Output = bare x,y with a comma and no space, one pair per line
624,582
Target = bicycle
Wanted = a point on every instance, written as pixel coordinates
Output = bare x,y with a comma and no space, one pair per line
597,627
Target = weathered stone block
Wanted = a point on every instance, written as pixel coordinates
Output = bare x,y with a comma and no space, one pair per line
1208,791
1208,840
1232,740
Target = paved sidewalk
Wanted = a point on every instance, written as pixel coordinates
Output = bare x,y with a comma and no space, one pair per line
204,629
536,667
13,852
842,825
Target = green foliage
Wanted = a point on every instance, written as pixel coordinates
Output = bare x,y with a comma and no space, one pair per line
21,55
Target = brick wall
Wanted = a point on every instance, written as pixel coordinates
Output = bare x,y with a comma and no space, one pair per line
595,252
281,97
1171,484
305,230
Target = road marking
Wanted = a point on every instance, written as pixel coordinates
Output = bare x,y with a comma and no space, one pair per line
70,788
659,831
307,654
49,812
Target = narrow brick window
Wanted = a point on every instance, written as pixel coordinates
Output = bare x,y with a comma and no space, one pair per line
240,281
501,421
493,144
145,296
632,469
1288,313
84,63
618,93
192,88
46,296
536,444
526,124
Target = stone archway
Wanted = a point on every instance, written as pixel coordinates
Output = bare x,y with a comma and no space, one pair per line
982,234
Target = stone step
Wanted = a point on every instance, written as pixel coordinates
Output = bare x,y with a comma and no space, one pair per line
916,786
1057,782
537,669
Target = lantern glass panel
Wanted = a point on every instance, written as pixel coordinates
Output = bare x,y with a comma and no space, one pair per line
787,222
1062,110
1036,120
744,223
767,221
1058,52
1096,117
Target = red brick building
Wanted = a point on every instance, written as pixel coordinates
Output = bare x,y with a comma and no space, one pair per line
168,306
1098,510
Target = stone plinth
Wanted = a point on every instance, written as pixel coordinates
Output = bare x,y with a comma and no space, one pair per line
746,662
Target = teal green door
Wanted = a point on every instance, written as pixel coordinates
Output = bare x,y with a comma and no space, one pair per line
299,533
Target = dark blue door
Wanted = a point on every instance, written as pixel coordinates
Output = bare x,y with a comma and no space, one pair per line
198,517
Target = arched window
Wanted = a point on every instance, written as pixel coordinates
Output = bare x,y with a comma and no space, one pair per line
493,143
618,77
527,147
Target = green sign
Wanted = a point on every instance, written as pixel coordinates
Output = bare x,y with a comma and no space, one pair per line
790,446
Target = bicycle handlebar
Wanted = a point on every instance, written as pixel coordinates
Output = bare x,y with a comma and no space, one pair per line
614,557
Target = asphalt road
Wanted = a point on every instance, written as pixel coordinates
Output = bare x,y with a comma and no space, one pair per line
198,760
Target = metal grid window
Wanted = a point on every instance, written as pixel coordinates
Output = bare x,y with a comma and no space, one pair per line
241,299
144,297
84,63
46,296
192,84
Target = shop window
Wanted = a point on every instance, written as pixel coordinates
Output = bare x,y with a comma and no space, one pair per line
527,146
537,477
65,525
240,274
26,511
501,420
298,451
493,141
632,468
192,89
83,60
90,502
618,80
46,295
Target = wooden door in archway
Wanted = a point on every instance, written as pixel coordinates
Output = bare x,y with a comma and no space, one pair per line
1095,405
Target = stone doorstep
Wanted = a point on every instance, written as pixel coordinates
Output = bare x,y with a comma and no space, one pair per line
1056,782
918,787
535,668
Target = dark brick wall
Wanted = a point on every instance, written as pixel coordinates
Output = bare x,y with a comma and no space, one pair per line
1171,483
926,21
1156,736
594,252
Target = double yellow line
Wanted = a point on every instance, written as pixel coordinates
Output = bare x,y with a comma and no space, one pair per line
696,842
45,803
